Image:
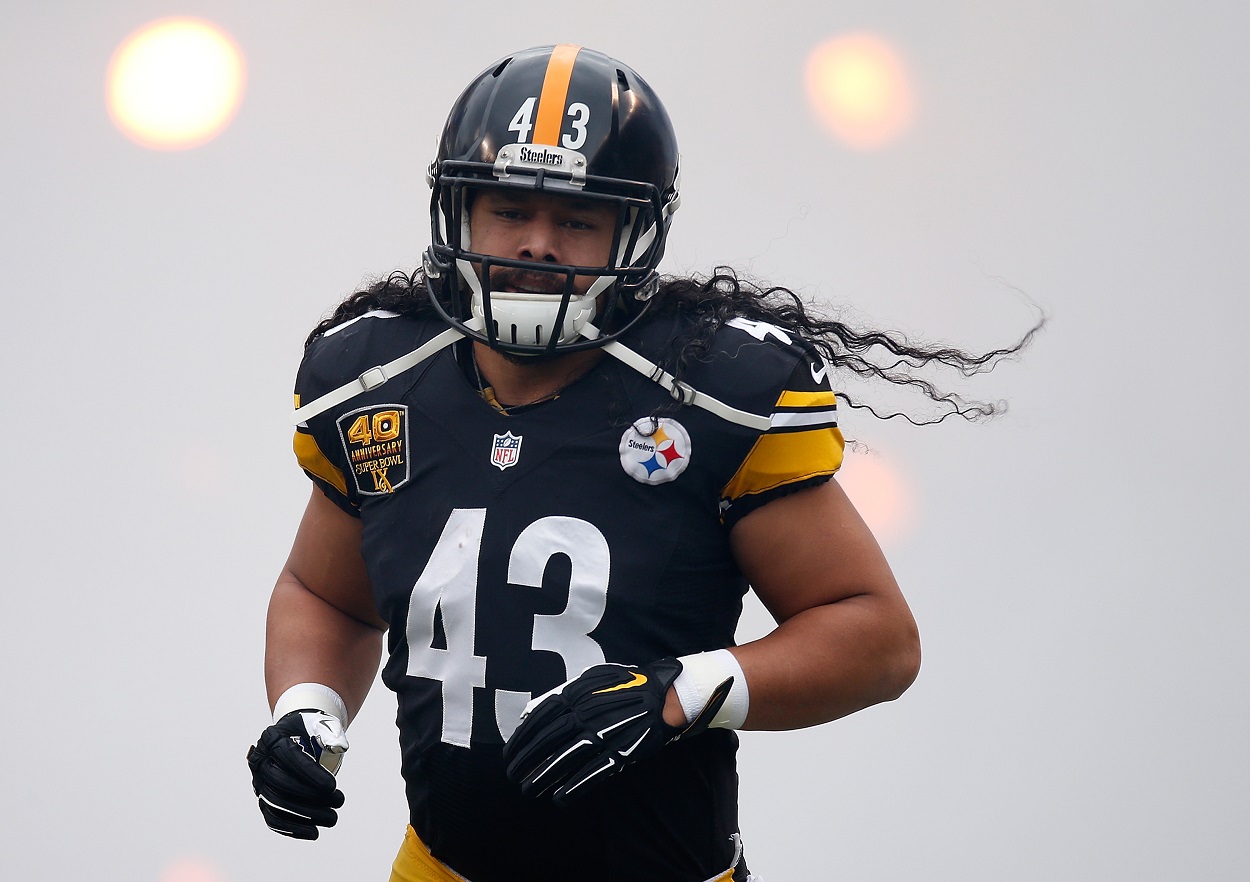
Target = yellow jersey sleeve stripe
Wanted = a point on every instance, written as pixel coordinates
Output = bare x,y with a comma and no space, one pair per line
555,92
801,411
785,458
821,399
313,461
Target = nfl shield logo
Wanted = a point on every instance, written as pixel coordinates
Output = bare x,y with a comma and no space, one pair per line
506,450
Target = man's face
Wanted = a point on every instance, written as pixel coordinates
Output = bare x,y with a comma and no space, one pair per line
543,228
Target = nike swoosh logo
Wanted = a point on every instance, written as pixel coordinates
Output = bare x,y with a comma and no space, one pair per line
635,747
638,680
818,375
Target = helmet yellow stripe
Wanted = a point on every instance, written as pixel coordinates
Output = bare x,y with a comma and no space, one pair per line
555,91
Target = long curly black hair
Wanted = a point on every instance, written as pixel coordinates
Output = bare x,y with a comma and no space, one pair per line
708,302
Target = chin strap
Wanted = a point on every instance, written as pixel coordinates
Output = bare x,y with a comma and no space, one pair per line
379,374
683,392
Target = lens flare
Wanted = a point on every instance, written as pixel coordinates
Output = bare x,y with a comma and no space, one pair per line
190,870
858,87
175,83
880,494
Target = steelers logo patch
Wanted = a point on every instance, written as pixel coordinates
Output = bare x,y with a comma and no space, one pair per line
655,450
376,441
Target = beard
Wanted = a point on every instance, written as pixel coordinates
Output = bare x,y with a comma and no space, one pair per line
534,281
526,359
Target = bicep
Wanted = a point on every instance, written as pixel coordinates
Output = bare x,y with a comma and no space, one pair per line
809,549
322,625
845,638
326,560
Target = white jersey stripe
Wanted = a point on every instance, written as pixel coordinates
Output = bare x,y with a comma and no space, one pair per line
804,418
373,313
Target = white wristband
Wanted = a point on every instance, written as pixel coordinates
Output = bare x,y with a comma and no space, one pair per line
304,696
699,677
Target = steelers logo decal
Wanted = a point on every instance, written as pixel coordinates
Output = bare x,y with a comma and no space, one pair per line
655,450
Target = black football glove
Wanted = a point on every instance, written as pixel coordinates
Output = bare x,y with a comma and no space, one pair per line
291,772
593,726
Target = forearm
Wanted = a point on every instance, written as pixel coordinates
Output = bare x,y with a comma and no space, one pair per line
309,640
829,661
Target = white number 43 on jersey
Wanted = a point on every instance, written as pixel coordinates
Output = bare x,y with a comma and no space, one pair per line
448,585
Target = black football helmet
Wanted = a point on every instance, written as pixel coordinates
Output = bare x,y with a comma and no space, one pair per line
562,120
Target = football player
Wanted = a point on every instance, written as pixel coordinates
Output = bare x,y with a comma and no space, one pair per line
545,477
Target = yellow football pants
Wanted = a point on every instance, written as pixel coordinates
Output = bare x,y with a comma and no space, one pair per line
414,863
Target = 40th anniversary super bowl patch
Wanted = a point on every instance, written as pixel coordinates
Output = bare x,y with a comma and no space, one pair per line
376,441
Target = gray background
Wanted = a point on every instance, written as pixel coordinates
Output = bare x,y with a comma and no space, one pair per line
1077,568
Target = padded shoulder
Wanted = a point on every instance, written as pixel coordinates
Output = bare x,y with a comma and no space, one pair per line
763,369
747,365
348,350
342,354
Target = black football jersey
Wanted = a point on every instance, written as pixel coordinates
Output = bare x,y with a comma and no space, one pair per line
509,552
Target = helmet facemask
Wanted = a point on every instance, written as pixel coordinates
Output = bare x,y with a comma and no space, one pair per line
550,314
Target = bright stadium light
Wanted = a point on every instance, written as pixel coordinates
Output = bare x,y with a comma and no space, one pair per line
858,87
175,83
